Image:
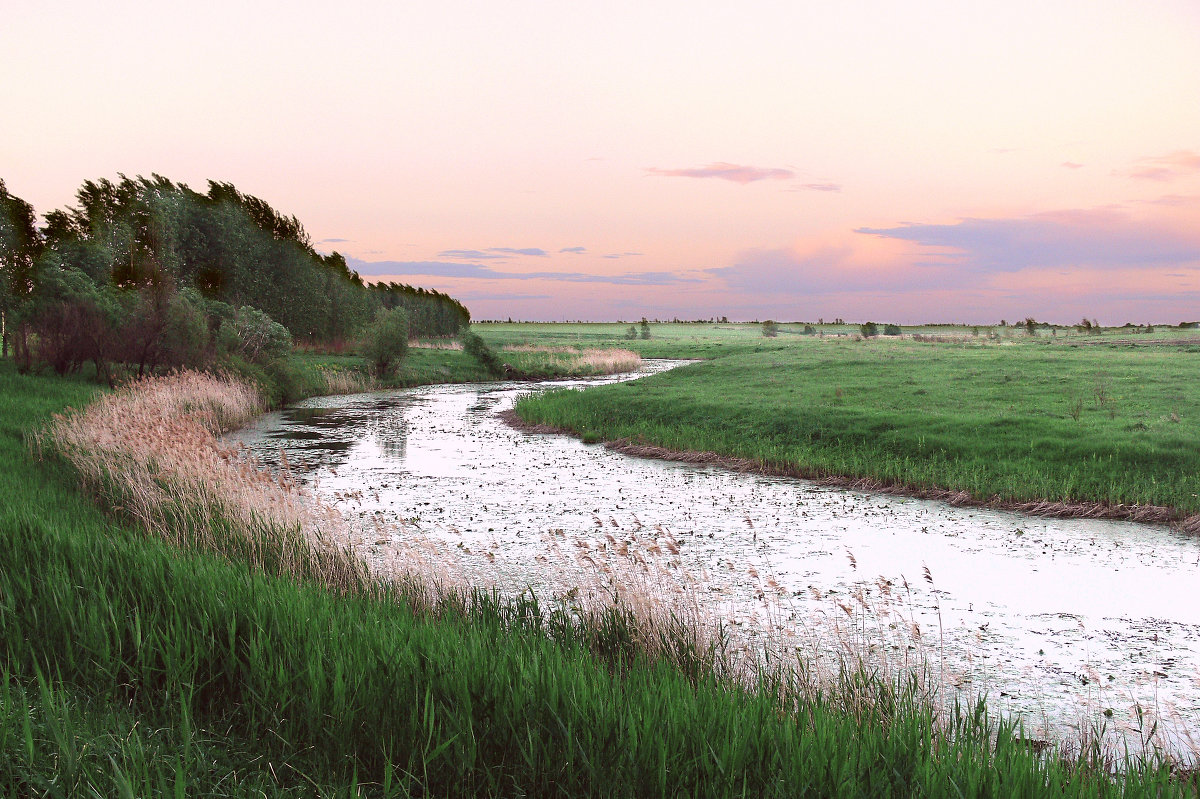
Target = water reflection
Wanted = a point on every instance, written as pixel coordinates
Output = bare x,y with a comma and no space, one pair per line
1046,615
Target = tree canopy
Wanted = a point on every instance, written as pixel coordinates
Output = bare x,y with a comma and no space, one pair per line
123,261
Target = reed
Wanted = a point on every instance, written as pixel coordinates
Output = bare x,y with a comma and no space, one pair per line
130,665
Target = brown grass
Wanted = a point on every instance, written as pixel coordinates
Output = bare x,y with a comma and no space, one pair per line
152,451
573,360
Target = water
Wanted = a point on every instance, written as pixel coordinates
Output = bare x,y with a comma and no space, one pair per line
1056,620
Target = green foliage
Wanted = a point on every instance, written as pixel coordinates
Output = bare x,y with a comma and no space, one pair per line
770,328
153,237
478,349
645,328
631,333
129,668
869,330
253,335
891,330
385,341
993,421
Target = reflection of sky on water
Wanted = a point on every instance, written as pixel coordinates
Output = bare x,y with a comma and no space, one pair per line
1041,613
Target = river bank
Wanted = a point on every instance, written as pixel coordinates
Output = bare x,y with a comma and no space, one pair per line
1034,426
204,650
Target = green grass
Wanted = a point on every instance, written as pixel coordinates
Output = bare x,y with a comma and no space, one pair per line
129,668
667,340
1024,419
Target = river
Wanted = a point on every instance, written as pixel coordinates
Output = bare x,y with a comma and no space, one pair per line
1067,623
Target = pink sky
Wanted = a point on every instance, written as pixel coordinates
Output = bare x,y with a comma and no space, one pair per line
916,162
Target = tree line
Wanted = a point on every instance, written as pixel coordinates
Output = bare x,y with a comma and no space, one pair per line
148,273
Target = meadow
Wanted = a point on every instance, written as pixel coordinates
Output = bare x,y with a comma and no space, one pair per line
1040,422
149,657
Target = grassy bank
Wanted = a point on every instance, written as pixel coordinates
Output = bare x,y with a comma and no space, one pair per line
133,666
1020,421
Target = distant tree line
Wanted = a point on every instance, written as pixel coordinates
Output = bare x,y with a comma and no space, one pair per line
147,272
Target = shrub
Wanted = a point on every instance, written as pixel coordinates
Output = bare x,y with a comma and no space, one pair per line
253,335
869,330
770,328
891,330
385,341
645,325
809,330
478,349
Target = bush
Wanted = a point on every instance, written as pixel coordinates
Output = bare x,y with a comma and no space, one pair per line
253,335
770,328
385,341
891,330
645,325
478,349
869,330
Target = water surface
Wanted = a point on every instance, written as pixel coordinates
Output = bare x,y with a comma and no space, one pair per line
1057,620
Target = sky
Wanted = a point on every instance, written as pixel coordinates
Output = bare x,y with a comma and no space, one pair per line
926,161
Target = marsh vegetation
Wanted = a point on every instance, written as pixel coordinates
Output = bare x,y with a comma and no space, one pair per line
146,652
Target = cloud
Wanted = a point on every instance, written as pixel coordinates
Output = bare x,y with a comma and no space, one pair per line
1100,237
773,273
615,255
576,250
535,251
492,253
817,187
735,172
1071,165
1163,168
334,241
471,296
484,272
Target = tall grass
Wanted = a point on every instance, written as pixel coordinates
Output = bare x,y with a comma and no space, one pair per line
131,665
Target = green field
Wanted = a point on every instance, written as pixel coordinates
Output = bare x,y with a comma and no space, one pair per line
130,668
1068,418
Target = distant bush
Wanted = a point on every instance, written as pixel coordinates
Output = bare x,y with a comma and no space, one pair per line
645,326
770,328
478,349
891,330
385,341
631,333
809,330
869,330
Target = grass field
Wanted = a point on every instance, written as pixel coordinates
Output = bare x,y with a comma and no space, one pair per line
1066,419
129,667
718,339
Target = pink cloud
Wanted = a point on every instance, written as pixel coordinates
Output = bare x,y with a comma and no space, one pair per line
1165,167
1071,165
735,172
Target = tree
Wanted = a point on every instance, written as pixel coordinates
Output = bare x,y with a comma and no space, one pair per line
645,328
770,328
385,341
869,330
20,244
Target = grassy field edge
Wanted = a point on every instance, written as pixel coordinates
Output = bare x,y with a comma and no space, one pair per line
130,667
